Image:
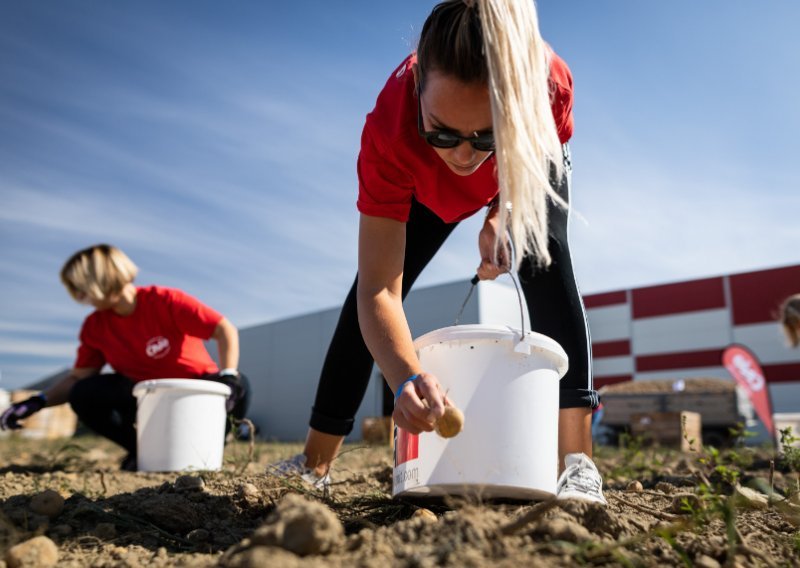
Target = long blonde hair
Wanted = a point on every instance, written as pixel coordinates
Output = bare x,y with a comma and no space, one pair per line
97,272
498,42
790,319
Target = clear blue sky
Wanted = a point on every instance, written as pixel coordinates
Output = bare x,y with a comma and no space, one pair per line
215,142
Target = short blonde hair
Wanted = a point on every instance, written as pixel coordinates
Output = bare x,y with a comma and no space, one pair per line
790,319
97,272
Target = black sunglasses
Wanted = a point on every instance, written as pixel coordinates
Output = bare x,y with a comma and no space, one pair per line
447,139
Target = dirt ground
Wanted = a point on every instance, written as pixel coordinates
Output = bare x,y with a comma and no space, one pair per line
686,509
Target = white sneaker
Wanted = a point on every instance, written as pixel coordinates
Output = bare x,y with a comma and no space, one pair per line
580,480
296,467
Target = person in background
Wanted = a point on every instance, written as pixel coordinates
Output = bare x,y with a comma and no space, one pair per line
143,333
790,319
478,117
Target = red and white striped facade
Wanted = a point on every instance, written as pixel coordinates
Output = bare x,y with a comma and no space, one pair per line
679,330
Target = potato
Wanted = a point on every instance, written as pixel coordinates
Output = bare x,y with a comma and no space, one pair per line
451,423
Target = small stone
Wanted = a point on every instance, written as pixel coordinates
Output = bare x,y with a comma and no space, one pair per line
635,486
248,491
198,536
96,455
562,529
665,487
105,531
425,514
38,552
189,483
704,561
48,503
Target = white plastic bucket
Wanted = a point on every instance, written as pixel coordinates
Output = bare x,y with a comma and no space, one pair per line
180,424
509,391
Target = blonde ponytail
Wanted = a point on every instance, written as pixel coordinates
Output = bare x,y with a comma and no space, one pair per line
528,147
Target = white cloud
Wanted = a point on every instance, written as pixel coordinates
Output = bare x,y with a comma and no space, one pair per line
49,349
653,225
36,327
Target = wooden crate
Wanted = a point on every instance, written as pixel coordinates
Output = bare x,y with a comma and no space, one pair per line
679,430
377,430
716,408
49,423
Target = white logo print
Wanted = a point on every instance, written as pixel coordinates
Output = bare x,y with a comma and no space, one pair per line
157,347
751,375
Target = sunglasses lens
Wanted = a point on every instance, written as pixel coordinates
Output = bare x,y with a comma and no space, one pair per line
443,140
484,143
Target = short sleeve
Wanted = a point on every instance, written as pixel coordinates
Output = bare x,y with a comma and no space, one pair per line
384,189
192,316
88,357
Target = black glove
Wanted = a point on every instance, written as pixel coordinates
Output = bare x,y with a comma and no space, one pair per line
9,420
238,390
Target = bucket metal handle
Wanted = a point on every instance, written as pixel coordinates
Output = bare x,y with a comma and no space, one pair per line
474,282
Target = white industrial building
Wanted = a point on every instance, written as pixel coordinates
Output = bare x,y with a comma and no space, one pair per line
679,330
675,330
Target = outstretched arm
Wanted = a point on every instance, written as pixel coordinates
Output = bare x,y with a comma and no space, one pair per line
381,251
59,392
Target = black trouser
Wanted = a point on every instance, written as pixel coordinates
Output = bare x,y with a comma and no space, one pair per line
106,405
554,305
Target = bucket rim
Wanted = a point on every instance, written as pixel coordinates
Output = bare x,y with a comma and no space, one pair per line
539,342
188,385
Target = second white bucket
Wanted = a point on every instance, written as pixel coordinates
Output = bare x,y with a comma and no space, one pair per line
180,424
508,388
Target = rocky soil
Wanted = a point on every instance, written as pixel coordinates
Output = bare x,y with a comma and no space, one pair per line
66,504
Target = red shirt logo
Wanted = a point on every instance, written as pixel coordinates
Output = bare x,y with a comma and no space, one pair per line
157,347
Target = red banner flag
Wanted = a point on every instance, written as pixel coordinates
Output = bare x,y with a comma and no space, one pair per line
744,367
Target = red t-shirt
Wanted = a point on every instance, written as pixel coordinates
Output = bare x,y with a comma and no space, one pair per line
395,162
162,338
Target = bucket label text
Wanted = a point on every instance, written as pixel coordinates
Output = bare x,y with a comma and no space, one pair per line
406,475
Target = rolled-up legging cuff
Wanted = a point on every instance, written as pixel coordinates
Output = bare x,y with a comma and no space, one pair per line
578,398
330,425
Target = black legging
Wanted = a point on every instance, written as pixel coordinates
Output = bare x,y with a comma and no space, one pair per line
554,305
105,404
